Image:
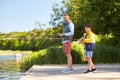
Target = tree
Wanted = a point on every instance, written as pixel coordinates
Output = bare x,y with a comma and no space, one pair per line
58,12
41,26
103,15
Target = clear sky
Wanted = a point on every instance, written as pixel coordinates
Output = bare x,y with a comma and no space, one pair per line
21,15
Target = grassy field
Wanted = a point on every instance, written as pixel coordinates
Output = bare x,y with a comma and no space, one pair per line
10,52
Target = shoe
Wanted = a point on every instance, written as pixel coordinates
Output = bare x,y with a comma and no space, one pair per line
67,71
93,69
88,71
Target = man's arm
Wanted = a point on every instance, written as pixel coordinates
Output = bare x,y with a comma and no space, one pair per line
71,27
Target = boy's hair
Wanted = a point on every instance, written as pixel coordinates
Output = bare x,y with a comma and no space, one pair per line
88,25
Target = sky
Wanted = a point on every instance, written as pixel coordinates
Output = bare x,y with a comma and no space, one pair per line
21,15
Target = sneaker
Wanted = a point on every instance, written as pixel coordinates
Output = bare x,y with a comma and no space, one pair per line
67,71
88,71
93,69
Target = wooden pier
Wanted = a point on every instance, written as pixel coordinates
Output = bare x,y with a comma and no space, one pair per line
53,72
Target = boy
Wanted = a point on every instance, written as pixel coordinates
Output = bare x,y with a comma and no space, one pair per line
89,46
68,32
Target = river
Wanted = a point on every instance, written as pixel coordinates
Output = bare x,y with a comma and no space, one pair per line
9,68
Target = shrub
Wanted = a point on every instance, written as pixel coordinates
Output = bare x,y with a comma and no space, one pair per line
108,50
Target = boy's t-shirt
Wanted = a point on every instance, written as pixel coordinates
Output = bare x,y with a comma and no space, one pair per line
89,37
89,40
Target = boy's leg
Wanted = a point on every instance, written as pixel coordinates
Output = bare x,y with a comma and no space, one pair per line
90,63
88,57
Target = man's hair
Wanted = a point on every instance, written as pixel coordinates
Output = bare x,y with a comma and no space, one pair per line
66,14
88,25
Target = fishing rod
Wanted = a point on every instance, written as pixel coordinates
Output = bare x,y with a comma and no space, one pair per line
57,37
32,38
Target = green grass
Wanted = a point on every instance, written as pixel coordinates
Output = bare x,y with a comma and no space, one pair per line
10,52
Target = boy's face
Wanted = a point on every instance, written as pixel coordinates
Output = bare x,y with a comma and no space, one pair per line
87,29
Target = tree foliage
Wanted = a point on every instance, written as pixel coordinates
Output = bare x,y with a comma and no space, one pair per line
103,15
32,40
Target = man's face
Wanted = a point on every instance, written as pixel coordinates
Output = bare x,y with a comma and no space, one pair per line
87,29
66,18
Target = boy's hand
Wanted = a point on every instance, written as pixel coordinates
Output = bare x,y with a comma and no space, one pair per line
81,40
78,41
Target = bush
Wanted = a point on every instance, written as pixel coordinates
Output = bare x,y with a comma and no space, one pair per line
108,50
106,54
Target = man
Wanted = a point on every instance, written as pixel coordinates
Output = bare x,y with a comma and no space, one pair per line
68,32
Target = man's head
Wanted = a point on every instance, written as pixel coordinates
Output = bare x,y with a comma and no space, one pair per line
88,27
66,17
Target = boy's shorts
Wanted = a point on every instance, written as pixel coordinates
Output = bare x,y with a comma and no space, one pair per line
67,47
88,53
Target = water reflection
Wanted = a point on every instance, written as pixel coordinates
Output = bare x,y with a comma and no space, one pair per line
9,69
12,57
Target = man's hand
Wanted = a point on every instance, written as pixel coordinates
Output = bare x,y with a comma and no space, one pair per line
60,35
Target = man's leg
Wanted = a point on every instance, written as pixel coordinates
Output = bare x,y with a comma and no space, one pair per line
67,52
69,59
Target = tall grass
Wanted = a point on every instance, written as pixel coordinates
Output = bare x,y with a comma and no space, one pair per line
53,55
33,58
107,51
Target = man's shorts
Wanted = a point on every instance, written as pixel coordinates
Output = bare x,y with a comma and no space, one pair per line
67,47
88,53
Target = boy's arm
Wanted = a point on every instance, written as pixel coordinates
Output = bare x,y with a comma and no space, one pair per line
89,39
81,39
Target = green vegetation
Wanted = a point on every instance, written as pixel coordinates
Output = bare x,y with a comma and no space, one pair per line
31,41
53,55
108,50
104,53
104,15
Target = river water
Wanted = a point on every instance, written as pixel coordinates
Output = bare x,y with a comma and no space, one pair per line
9,68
